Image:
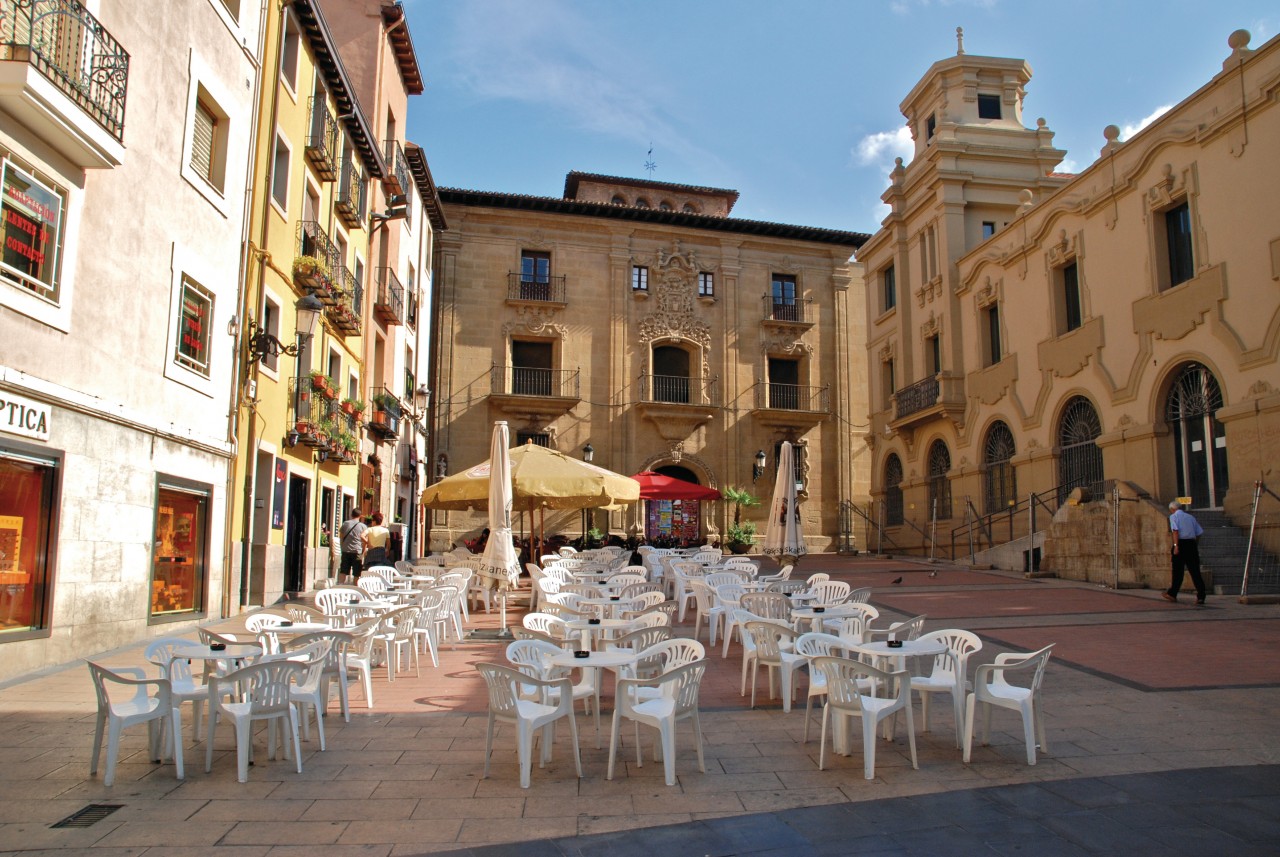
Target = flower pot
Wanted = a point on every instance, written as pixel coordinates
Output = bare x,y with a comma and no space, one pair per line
739,547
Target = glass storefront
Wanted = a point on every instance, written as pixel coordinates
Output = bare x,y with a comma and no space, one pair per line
179,562
27,487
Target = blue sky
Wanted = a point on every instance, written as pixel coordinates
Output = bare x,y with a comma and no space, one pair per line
793,104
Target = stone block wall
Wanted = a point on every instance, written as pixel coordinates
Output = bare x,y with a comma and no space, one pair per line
1080,541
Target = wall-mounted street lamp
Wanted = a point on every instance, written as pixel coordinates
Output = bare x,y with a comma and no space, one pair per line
588,453
263,344
758,468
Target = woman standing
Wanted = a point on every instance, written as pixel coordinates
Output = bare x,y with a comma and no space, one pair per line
375,543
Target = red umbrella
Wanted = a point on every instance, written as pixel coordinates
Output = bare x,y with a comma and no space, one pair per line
655,486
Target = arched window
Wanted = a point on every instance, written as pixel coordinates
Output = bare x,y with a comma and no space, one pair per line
1079,458
1002,487
939,485
1199,440
642,203
664,206
893,490
618,200
670,374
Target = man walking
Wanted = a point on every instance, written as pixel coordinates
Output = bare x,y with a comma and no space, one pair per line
352,535
1185,532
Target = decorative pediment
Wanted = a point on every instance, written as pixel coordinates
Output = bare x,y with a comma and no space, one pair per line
535,320
1167,190
675,293
1064,249
888,351
988,294
784,345
677,259
537,239
931,327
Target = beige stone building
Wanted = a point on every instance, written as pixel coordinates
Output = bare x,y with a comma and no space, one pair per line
639,318
1032,332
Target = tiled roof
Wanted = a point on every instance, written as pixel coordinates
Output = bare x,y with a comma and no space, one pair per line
426,185
402,45
572,179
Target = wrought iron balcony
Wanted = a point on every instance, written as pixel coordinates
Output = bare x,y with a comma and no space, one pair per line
398,179
521,288
675,389
350,200
322,140
927,398
532,381
345,314
388,303
313,412
793,397
69,46
788,311
384,418
314,241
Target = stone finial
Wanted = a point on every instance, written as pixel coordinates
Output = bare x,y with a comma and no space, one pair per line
960,41
1040,123
1239,44
1026,198
1111,134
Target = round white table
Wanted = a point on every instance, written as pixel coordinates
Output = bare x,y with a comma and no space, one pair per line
589,630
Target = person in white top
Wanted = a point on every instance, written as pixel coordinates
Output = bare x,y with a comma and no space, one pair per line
1185,531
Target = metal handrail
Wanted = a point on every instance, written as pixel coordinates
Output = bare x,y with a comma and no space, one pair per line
534,381
676,389
314,241
793,310
793,397
398,166
390,292
542,289
322,138
72,49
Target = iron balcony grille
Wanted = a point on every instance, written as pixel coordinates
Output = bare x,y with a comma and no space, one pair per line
350,200
793,397
73,50
389,304
397,181
314,241
322,140
788,310
532,381
384,419
920,395
546,289
674,389
346,310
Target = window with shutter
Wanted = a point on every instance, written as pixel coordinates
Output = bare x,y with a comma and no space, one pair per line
202,141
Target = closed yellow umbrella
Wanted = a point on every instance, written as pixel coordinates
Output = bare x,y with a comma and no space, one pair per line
541,478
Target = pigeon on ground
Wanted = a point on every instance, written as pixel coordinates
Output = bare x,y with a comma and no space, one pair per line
933,574
896,580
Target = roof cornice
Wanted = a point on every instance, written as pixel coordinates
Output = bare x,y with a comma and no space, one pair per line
397,22
426,185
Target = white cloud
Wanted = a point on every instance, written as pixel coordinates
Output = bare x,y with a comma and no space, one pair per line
1130,128
883,146
1067,166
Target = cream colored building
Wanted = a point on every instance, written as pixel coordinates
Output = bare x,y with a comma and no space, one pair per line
1033,332
125,142
639,318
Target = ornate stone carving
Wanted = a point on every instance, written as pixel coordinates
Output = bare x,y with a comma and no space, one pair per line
888,351
1163,192
1259,389
988,294
931,327
784,345
536,320
674,316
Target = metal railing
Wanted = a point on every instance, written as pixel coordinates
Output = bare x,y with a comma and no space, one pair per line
72,49
383,414
543,289
322,139
389,302
792,310
675,389
532,381
793,397
314,241
346,311
978,529
920,395
398,176
350,200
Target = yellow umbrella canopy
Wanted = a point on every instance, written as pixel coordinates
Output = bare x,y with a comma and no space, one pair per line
541,478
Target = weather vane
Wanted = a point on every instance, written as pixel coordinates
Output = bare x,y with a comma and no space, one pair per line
649,165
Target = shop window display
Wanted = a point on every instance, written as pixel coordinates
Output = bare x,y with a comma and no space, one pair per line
26,498
178,563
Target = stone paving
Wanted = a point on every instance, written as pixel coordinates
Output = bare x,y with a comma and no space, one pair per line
1161,729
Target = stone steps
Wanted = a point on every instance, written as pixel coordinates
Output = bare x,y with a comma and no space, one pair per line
1223,548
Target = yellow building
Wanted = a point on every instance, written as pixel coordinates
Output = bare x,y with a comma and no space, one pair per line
639,319
303,393
1036,336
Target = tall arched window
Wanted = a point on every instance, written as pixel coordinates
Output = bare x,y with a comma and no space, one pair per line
1002,487
939,485
1079,458
893,490
670,374
1199,440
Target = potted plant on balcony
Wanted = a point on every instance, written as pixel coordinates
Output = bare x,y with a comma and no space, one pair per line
311,272
325,429
349,446
351,406
387,403
330,388
739,535
320,382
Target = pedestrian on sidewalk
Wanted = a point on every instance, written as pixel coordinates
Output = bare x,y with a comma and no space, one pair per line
376,539
1185,531
351,534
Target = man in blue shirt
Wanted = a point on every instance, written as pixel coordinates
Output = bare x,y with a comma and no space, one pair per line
1185,531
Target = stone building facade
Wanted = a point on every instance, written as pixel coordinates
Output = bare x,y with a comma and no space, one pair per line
638,318
1033,333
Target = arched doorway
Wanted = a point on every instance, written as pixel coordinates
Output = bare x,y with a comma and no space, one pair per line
939,485
1079,458
670,374
893,490
1199,440
1002,486
679,521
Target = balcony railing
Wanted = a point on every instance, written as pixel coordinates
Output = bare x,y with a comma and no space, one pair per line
384,416
398,181
793,397
920,395
388,304
314,241
73,50
349,201
788,310
531,381
539,290
675,389
346,310
322,140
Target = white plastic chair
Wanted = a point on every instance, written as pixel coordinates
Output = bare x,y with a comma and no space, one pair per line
845,700
546,624
907,629
261,625
507,705
398,636
772,642
949,675
991,687
430,620
335,667
727,597
310,692
117,713
677,700
360,654
707,608
531,657
819,645
773,606
829,593
261,691
182,684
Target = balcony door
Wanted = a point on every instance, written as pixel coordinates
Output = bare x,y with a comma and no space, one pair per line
784,298
535,276
531,368
784,384
670,374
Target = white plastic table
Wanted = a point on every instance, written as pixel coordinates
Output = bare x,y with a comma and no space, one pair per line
589,630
